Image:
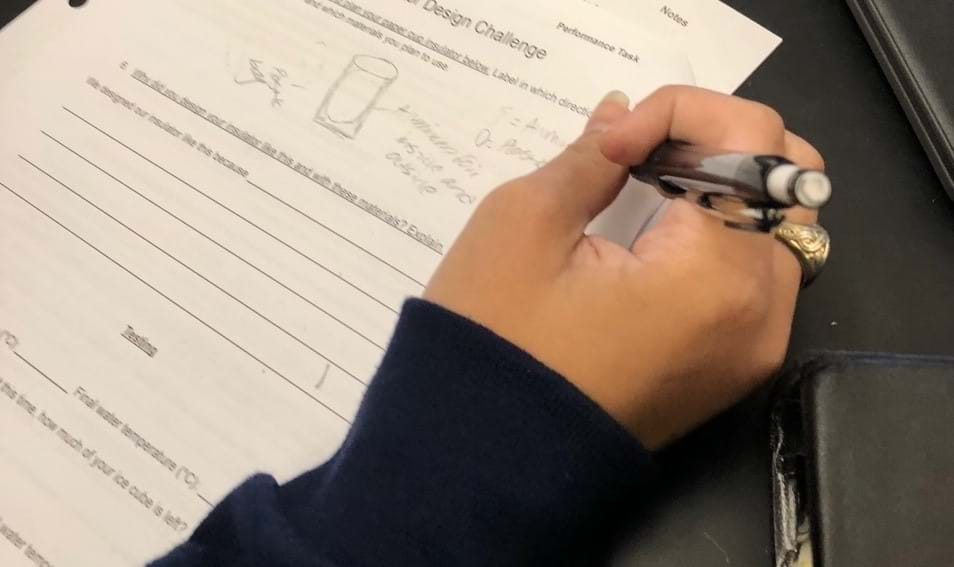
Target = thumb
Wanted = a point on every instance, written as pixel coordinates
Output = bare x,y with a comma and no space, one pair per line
581,179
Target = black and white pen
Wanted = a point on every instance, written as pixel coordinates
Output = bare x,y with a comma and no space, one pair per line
747,190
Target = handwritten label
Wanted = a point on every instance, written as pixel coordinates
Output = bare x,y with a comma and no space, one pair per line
272,77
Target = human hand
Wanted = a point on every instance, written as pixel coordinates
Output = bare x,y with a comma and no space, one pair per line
662,336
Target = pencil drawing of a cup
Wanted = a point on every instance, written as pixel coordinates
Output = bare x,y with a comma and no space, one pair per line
355,94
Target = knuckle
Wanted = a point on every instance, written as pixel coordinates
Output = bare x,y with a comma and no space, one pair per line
768,118
803,153
495,201
498,206
668,91
815,160
504,193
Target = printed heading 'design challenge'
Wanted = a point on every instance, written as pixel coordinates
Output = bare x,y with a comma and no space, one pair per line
482,28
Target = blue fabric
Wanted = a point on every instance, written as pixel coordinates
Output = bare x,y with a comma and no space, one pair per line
466,451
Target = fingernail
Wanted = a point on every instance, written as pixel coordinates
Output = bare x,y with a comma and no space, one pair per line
602,120
616,97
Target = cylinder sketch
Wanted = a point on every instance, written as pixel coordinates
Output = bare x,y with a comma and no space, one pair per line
354,95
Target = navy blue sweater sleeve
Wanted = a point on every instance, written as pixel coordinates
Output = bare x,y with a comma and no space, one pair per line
466,451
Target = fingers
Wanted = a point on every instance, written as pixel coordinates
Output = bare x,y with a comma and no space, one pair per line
580,181
788,271
607,112
802,153
696,116
689,227
707,118
801,215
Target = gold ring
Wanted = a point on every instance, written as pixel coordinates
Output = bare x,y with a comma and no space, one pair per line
810,244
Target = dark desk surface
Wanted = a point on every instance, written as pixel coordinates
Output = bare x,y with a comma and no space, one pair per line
888,286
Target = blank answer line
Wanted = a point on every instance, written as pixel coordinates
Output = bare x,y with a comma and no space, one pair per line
195,272
243,218
290,168
37,370
220,245
336,233
173,302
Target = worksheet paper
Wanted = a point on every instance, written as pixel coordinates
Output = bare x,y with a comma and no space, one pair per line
723,45
211,213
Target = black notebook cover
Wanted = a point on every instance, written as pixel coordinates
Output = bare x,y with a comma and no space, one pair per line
913,42
870,459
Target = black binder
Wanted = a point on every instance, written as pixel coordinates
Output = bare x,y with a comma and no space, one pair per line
912,40
863,463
